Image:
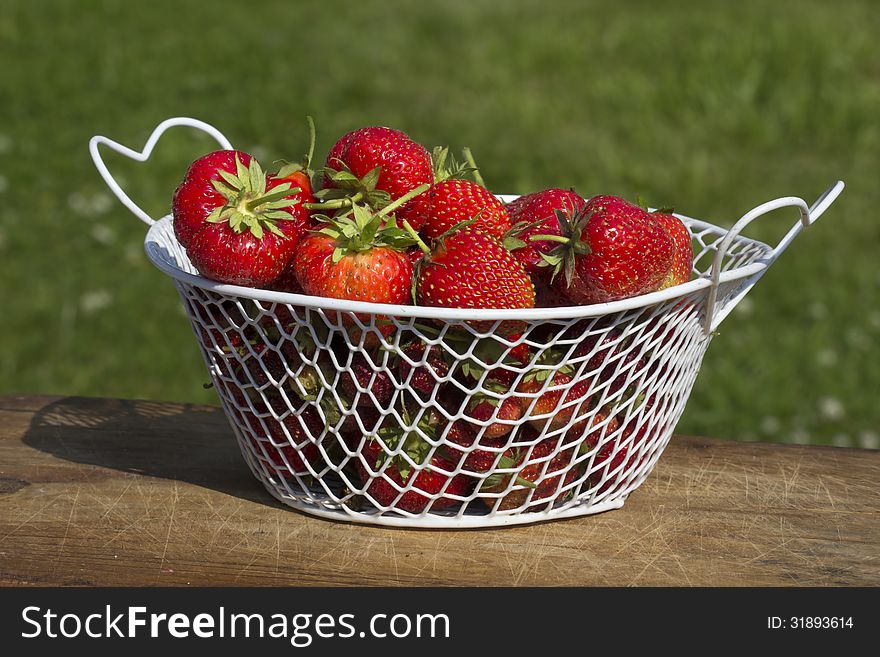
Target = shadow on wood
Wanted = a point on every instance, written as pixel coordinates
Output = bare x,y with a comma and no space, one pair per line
187,443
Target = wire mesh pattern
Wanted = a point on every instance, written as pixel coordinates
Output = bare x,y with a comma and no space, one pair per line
371,417
435,417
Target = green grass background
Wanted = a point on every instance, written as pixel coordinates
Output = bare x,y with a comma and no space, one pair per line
710,107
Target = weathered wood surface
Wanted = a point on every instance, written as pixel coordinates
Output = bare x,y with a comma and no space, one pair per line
111,492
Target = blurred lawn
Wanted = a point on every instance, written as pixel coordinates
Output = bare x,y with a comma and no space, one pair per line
711,108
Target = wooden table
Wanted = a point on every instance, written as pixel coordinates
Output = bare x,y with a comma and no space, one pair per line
112,492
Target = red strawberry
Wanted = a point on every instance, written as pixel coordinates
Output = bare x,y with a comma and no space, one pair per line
504,362
561,400
613,357
403,164
683,260
536,216
286,281
375,385
517,204
478,460
378,274
358,256
238,225
415,254
450,202
195,198
521,352
289,455
470,269
499,415
380,471
421,367
549,296
540,476
610,250
616,457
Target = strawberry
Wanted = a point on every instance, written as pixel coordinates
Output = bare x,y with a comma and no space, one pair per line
195,198
415,254
452,199
616,457
514,206
237,224
552,405
683,259
380,471
421,367
374,385
292,440
520,353
549,296
450,202
470,269
378,274
540,475
476,461
402,164
537,215
358,256
504,362
496,417
614,357
609,250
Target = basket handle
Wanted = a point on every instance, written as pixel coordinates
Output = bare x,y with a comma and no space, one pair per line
144,155
808,216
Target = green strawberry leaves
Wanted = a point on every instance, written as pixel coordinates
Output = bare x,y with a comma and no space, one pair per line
489,351
446,167
499,480
346,190
360,229
248,207
412,443
563,258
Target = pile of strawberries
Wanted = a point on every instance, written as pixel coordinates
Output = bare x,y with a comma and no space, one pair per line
387,221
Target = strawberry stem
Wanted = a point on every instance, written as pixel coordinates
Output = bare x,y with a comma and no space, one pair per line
550,238
525,482
384,212
252,205
312,138
469,158
336,204
418,240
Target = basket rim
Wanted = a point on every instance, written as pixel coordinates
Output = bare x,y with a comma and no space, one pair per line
158,234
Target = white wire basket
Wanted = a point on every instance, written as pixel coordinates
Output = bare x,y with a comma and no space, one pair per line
313,387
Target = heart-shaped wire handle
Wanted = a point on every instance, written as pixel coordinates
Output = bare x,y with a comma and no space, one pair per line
808,215
144,155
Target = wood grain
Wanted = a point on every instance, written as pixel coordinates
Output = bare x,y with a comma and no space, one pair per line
112,492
